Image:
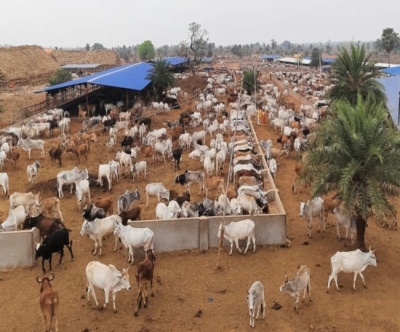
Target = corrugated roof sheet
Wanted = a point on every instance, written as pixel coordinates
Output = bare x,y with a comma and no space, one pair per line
395,71
81,66
392,90
131,76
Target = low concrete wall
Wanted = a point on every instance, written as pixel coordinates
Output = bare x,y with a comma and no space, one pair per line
201,233
17,249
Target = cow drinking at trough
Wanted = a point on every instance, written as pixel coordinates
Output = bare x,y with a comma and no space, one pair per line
295,285
107,278
256,301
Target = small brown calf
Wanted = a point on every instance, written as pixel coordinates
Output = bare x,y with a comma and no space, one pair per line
144,274
215,183
15,156
81,151
106,204
51,207
49,301
55,154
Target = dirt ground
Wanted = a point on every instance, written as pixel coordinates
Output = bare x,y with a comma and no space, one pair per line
191,294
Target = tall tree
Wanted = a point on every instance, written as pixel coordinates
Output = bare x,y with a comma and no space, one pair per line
353,73
274,45
146,51
356,154
198,39
315,58
161,77
87,47
98,46
389,42
250,82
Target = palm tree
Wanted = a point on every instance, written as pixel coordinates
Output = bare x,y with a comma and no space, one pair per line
356,154
161,77
352,74
390,41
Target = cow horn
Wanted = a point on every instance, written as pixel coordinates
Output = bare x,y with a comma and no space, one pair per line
369,248
37,279
52,276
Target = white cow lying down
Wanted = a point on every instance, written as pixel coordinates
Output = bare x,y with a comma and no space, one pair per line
239,230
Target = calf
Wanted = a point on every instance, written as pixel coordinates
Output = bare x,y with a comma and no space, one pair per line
144,274
239,230
93,212
351,262
107,278
132,214
177,156
295,285
51,206
49,301
256,301
55,242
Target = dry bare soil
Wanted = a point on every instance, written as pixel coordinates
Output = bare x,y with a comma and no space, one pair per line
188,282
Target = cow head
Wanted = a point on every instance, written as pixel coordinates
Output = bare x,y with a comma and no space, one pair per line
39,250
302,205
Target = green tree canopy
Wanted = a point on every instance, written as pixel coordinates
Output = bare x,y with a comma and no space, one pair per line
161,77
356,154
389,42
315,58
250,82
146,51
98,46
60,76
353,74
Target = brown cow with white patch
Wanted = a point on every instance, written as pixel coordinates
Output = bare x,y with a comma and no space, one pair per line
214,183
49,301
144,275
51,206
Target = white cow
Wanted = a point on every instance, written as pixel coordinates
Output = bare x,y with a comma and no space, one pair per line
25,199
162,211
354,261
32,144
134,238
4,183
239,230
104,171
70,177
295,285
83,193
311,209
256,301
347,221
156,189
107,278
139,167
99,228
124,160
32,171
15,219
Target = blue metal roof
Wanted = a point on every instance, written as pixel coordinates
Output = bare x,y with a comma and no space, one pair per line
395,71
269,56
131,76
81,66
392,90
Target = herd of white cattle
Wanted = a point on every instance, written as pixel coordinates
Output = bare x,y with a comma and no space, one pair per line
247,175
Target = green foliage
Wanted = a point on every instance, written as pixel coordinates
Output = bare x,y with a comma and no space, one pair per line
389,42
161,77
60,76
250,82
98,46
353,74
356,155
87,47
315,58
146,51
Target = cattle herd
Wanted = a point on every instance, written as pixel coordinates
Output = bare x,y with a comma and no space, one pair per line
231,145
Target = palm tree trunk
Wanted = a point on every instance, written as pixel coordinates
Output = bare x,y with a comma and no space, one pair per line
361,224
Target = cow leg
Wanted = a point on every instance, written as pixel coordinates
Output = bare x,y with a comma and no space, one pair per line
100,245
114,295
248,244
296,305
50,262
355,278
69,246
43,269
237,245
309,228
362,277
55,317
95,247
115,242
61,255
106,296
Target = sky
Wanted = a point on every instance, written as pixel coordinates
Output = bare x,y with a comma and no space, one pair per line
74,23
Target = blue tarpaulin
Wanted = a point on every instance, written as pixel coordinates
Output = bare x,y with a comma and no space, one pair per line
395,71
392,90
131,76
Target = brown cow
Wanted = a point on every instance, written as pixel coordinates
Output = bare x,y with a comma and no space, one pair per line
214,183
132,214
51,206
106,204
55,154
144,274
49,301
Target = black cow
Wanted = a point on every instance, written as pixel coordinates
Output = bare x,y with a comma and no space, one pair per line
306,131
177,155
127,141
93,212
55,242
175,105
184,198
109,123
55,154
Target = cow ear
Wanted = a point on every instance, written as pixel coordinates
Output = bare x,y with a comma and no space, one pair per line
286,278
